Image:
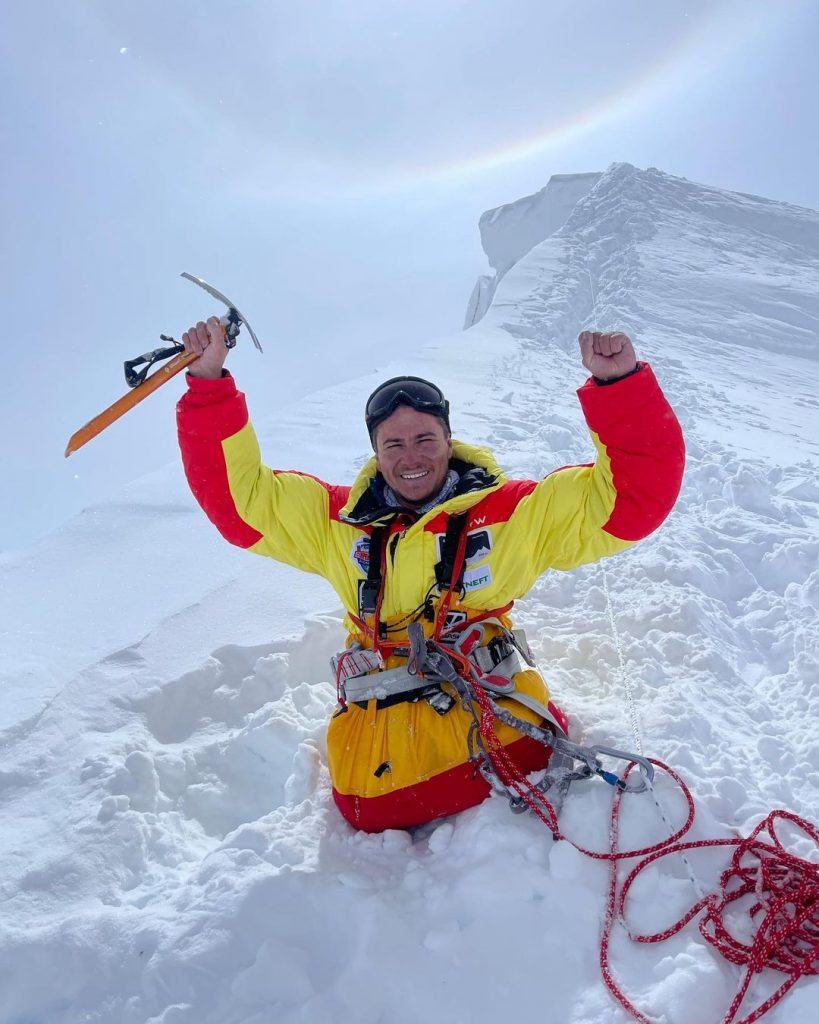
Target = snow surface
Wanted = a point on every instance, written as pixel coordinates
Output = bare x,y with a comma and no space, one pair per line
171,853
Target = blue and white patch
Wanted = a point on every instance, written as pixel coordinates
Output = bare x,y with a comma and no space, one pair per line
361,553
477,578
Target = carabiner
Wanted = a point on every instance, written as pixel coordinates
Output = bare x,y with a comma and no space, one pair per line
645,766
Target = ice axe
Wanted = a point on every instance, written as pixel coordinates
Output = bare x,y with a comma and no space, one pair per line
142,385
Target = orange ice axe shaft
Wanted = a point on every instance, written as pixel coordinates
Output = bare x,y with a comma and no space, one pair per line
128,401
143,385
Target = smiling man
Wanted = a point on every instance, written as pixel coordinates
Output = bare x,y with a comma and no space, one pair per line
413,445
433,537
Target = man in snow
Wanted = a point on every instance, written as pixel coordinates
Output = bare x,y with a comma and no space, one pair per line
432,532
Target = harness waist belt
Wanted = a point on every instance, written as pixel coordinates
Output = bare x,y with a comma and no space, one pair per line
389,682
380,685
498,663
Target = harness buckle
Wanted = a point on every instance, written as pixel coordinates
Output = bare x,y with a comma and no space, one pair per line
439,700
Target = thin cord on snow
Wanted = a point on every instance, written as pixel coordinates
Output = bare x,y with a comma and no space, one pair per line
593,294
624,676
632,710
625,680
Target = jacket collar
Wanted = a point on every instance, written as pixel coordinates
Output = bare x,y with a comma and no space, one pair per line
479,474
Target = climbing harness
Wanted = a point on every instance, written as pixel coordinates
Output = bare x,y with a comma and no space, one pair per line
479,668
449,572
479,675
479,692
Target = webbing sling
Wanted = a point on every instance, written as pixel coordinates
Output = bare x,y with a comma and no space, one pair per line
370,588
449,573
445,571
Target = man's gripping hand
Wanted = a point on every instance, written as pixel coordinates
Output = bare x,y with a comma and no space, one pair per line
206,340
607,355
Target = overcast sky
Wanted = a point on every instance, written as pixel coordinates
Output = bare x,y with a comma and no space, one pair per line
325,164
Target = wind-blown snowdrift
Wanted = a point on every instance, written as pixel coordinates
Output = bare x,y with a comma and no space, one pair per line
510,231
170,850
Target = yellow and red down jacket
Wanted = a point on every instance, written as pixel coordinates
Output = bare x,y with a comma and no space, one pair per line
401,765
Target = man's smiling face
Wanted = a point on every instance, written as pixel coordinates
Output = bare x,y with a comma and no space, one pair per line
413,450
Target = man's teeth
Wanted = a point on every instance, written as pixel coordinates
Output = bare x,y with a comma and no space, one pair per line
414,476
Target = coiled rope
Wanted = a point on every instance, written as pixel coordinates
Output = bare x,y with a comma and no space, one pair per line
782,890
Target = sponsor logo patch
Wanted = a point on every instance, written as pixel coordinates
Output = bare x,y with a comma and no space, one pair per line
478,545
476,579
361,553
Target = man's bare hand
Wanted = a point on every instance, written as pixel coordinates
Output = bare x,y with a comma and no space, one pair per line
206,340
607,354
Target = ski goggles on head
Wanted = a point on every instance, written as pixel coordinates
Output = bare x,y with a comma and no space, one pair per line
419,394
